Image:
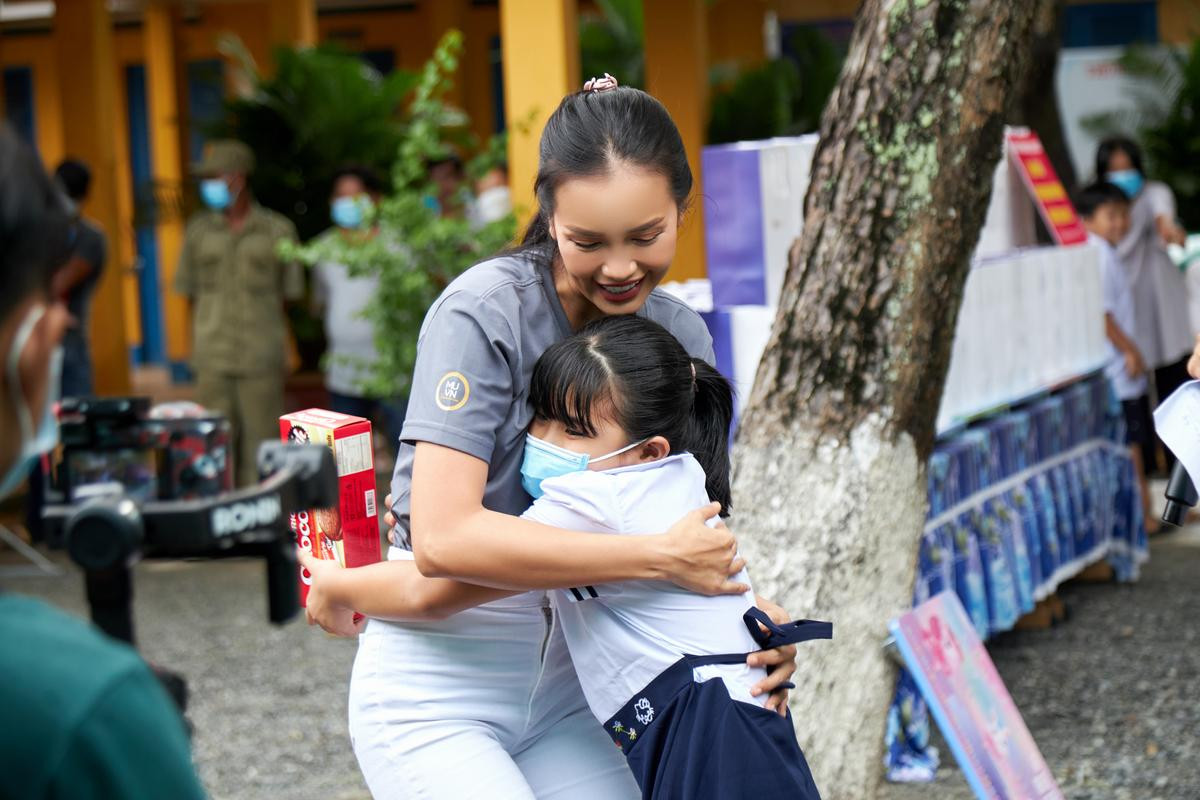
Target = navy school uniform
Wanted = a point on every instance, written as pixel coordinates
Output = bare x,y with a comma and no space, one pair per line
691,740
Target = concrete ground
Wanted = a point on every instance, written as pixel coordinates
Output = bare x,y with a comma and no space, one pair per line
1109,695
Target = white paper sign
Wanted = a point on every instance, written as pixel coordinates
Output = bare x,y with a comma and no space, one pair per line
1177,422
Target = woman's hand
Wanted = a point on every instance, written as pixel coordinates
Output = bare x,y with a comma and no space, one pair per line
1134,366
320,607
1170,232
700,558
389,518
1193,365
780,662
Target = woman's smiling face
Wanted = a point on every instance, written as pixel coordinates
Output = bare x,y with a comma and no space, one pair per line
616,237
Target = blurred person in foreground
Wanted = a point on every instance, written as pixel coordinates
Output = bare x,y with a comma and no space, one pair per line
76,281
343,299
83,715
237,286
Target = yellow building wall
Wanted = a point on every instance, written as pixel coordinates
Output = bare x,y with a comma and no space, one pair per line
36,51
1178,21
411,35
735,32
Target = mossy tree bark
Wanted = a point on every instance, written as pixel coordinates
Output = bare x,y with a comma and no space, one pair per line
829,493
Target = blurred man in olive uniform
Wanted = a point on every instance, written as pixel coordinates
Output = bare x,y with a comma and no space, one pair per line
237,287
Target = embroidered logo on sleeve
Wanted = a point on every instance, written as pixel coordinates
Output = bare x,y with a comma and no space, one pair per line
453,390
643,711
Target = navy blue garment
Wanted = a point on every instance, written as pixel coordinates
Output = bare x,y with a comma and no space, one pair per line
691,741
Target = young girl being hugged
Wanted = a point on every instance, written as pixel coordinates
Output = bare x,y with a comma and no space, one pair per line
628,429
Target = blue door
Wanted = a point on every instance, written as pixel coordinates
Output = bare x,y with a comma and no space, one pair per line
18,103
152,349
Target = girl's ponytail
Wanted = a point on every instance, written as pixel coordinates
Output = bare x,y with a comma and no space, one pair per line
708,429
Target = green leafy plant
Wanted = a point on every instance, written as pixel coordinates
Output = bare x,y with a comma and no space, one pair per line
1164,119
416,252
612,39
783,97
320,109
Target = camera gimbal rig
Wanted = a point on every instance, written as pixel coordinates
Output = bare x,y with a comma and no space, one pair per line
108,532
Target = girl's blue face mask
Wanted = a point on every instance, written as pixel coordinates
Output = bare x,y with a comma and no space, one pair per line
1129,181
544,460
215,193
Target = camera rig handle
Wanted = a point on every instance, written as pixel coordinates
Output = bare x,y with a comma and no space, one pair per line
108,533
1181,496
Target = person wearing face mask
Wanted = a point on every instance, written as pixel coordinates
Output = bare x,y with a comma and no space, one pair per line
84,716
493,199
237,286
1162,331
343,297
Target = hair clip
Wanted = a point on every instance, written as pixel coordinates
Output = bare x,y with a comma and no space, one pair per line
605,84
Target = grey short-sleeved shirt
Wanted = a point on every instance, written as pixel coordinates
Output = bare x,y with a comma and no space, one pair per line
475,356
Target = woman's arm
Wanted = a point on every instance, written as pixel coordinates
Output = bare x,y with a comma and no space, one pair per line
392,590
454,536
1169,231
71,274
1134,365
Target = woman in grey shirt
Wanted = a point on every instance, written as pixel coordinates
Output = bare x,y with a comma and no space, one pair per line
485,703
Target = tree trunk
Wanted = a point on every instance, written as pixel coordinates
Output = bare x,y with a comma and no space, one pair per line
830,493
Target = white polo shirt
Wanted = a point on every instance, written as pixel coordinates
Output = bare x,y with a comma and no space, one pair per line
623,635
1118,301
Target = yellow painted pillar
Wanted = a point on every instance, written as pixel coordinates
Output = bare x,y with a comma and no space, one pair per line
160,31
677,74
122,250
293,23
444,15
540,44
83,45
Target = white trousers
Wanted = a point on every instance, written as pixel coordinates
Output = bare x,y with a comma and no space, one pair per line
469,708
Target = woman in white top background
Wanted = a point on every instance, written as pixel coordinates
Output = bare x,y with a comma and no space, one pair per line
1163,332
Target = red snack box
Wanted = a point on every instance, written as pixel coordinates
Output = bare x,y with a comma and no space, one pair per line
348,534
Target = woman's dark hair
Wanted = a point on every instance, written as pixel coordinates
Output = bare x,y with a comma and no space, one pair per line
588,133
75,178
633,372
1109,146
35,231
371,180
1101,193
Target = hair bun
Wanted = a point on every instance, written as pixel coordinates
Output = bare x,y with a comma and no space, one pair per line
605,84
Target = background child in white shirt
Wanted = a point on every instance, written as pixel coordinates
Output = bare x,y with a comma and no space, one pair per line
1104,209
